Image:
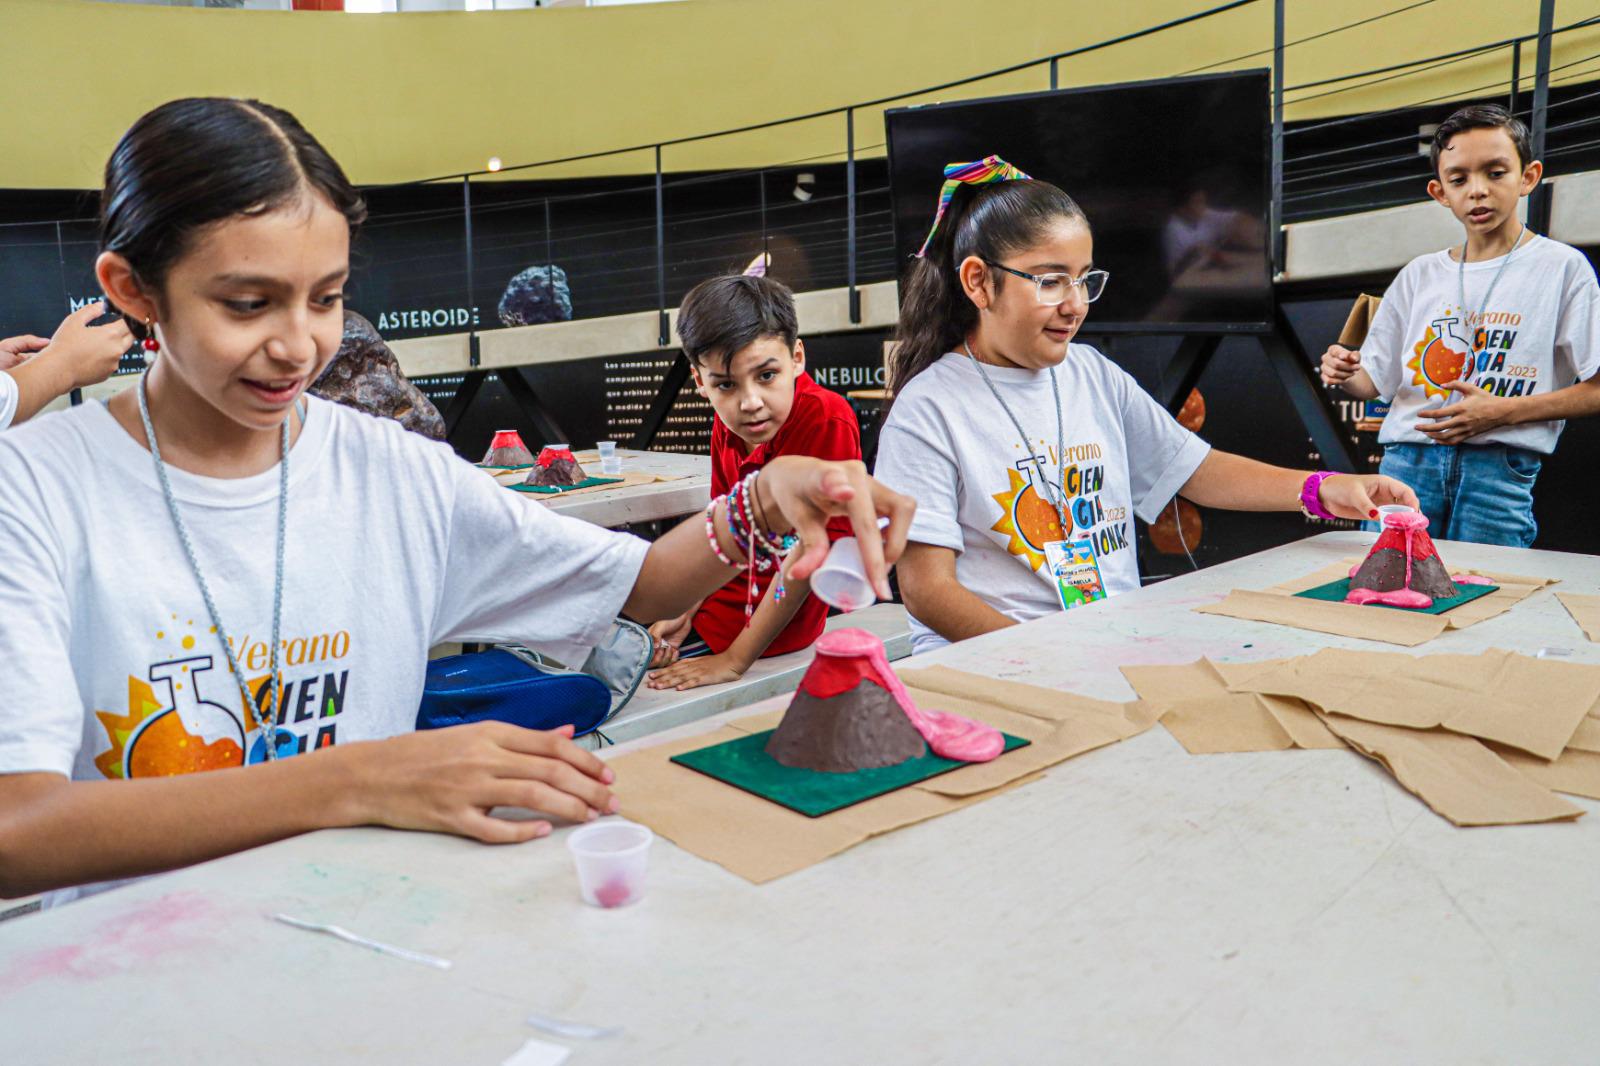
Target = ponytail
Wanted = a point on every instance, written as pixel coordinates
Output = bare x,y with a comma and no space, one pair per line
987,221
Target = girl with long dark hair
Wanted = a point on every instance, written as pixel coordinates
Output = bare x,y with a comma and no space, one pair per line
1029,455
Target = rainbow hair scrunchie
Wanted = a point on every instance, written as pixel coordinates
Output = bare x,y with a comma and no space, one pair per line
986,171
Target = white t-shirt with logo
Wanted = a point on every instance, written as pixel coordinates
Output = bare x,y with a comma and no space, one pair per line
1540,333
8,399
979,490
109,664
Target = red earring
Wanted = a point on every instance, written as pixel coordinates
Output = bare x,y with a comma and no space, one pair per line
150,343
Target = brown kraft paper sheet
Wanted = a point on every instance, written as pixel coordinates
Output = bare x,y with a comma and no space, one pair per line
1280,606
1455,775
761,841
1535,705
1577,773
1203,716
1585,610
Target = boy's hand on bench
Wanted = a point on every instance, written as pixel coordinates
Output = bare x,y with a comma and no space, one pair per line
692,673
1339,365
1474,413
669,636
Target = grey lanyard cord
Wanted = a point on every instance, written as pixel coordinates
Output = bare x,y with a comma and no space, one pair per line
269,725
1461,282
1055,495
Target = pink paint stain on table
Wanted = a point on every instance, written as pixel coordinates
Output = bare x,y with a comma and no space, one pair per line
123,942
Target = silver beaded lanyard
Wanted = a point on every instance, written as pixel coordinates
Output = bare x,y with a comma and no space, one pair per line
269,724
1461,283
1056,495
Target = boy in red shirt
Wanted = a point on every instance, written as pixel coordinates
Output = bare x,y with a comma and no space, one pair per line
742,340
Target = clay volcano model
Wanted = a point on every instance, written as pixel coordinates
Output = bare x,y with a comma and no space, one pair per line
556,466
852,713
507,449
1403,568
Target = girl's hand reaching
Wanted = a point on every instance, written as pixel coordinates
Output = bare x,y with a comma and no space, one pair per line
1360,495
800,494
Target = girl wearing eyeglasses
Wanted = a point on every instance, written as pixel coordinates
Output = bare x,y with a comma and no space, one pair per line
1029,455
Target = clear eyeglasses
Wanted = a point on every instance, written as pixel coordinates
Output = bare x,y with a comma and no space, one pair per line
1054,289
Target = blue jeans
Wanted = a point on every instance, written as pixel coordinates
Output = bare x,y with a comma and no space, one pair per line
1475,492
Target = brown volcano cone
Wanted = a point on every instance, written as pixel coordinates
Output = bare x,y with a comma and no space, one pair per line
1384,568
556,466
507,449
862,729
1385,571
847,714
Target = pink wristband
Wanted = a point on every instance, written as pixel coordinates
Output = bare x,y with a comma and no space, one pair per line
1311,496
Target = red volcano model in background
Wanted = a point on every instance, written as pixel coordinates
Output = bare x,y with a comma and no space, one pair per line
507,449
852,713
1403,568
556,466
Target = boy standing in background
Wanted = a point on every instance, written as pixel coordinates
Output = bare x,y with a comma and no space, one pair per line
741,336
1483,350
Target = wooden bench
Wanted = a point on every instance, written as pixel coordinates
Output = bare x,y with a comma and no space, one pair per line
652,710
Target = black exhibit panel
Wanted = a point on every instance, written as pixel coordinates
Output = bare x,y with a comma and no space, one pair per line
1174,176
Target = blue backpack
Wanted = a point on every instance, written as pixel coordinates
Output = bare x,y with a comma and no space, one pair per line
512,684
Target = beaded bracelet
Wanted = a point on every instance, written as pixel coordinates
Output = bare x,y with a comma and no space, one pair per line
770,544
755,542
711,533
763,549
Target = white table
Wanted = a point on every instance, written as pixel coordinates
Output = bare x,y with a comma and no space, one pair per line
1136,905
641,503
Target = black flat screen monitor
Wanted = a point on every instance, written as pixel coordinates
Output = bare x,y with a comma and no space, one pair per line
1174,176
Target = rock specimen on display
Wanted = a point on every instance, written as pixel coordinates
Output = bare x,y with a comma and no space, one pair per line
556,466
507,449
852,713
366,375
1403,568
538,294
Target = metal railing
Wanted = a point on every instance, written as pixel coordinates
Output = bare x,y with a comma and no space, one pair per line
629,244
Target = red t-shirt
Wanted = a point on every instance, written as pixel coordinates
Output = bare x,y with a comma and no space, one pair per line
821,424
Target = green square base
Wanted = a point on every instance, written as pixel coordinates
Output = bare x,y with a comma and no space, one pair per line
1336,591
745,764
586,483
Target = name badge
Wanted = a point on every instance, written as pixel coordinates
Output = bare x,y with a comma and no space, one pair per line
1076,572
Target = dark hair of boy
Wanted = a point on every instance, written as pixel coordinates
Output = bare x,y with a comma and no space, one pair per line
1481,117
722,316
987,221
197,161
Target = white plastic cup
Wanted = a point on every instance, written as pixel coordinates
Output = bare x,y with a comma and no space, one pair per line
1387,509
611,856
610,461
608,448
842,579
